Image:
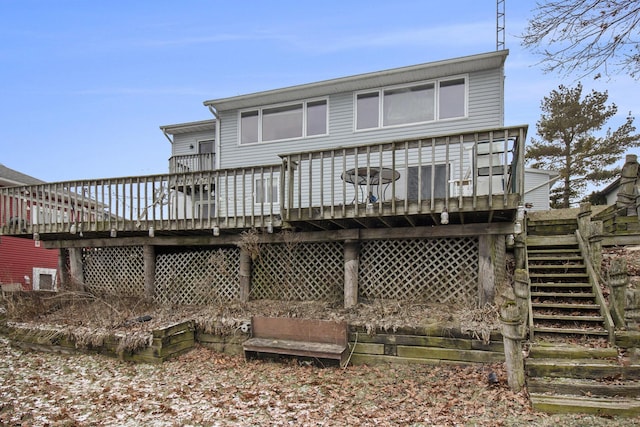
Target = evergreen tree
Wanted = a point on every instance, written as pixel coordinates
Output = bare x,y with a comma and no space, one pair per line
568,143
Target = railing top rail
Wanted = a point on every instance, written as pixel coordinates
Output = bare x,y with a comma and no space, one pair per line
440,139
154,177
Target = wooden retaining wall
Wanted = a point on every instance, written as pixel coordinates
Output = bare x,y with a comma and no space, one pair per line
405,345
166,343
422,345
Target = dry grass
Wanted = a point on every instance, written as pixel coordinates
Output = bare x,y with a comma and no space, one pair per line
90,319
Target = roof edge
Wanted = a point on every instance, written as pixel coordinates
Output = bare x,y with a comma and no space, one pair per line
344,84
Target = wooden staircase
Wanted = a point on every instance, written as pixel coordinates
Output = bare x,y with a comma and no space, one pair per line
571,366
563,302
564,378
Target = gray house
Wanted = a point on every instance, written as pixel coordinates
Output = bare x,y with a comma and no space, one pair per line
414,163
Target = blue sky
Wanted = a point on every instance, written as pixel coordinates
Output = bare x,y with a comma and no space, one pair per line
86,84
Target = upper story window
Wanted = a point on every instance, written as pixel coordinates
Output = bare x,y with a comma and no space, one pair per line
283,122
418,103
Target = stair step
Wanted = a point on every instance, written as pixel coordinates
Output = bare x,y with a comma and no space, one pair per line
558,275
563,294
568,318
592,369
561,285
580,405
553,267
582,387
554,254
568,351
570,331
557,240
543,257
565,306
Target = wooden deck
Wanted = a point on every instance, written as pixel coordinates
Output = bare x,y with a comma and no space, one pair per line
457,179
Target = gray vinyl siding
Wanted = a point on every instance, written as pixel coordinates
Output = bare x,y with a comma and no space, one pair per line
183,141
485,110
539,197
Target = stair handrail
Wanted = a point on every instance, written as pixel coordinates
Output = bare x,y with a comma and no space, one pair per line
595,284
526,268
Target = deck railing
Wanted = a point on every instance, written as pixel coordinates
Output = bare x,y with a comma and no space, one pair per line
464,172
192,163
208,200
419,176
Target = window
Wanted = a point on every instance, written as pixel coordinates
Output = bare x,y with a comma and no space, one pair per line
451,99
411,104
204,209
249,126
283,122
205,147
419,181
44,279
408,105
317,118
367,110
266,190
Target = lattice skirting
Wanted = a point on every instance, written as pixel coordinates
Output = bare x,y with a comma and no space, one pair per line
432,270
198,277
299,271
114,270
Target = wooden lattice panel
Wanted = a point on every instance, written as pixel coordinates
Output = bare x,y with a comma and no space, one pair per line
430,270
114,270
198,277
299,271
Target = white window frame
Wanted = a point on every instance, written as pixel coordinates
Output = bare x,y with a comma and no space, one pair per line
37,271
260,110
436,116
261,185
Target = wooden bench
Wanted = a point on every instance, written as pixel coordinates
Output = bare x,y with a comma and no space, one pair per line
318,339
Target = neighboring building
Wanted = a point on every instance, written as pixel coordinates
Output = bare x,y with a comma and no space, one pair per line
537,187
24,261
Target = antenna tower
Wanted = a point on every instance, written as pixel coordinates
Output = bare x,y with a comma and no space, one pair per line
500,11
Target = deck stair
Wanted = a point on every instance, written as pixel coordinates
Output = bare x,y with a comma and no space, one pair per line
564,378
563,302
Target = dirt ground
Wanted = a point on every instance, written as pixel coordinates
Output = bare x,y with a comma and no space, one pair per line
204,388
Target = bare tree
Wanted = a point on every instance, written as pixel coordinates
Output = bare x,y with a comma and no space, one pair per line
586,36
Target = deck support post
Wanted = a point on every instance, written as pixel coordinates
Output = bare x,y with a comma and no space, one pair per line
63,262
519,251
75,269
512,321
246,265
486,269
149,257
351,262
